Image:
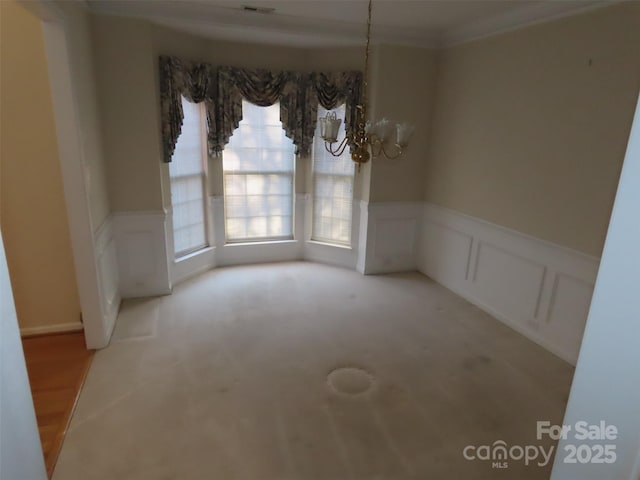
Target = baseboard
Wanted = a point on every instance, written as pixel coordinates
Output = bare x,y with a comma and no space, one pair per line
192,265
540,289
531,335
328,254
51,329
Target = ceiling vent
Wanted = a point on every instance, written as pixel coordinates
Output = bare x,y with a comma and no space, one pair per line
250,8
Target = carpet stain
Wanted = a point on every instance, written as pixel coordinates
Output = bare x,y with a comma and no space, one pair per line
472,363
350,381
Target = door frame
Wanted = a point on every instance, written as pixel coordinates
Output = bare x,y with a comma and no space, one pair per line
97,330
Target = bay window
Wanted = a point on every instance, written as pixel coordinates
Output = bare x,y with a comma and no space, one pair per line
332,189
258,168
187,172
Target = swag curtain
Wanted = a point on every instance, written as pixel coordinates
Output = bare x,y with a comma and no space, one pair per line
222,90
333,89
194,81
262,88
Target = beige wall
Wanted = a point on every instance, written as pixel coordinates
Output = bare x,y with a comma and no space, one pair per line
525,129
402,81
126,53
530,127
129,112
78,30
32,209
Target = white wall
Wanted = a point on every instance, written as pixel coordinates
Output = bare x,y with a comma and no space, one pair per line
70,69
606,385
20,452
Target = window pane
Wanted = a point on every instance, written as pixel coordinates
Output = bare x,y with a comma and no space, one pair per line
187,184
258,166
332,189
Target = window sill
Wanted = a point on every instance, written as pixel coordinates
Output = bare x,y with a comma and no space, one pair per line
188,256
333,245
260,242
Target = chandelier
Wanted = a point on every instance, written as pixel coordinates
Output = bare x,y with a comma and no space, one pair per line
370,139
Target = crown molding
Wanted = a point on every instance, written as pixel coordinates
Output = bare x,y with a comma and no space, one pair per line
526,16
45,11
233,24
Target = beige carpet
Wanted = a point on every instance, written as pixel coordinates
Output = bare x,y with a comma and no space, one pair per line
300,371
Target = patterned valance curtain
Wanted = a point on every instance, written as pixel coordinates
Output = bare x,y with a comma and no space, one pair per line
333,89
263,88
197,83
222,90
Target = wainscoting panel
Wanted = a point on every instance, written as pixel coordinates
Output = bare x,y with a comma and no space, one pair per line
448,255
541,289
108,277
392,233
142,253
363,235
570,300
509,283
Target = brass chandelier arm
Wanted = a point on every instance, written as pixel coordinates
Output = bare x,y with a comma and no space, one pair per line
378,148
337,151
365,141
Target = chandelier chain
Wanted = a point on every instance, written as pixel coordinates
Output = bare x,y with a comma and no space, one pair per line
366,56
367,139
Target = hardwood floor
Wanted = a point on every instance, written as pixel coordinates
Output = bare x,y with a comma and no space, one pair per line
57,366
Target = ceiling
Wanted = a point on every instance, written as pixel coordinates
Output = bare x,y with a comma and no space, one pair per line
310,23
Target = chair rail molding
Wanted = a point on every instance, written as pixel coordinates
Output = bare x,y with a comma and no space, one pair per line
540,289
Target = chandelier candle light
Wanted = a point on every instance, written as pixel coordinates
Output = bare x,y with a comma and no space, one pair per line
370,138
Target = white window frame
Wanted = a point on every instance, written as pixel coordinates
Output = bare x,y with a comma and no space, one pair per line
292,178
314,237
204,175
